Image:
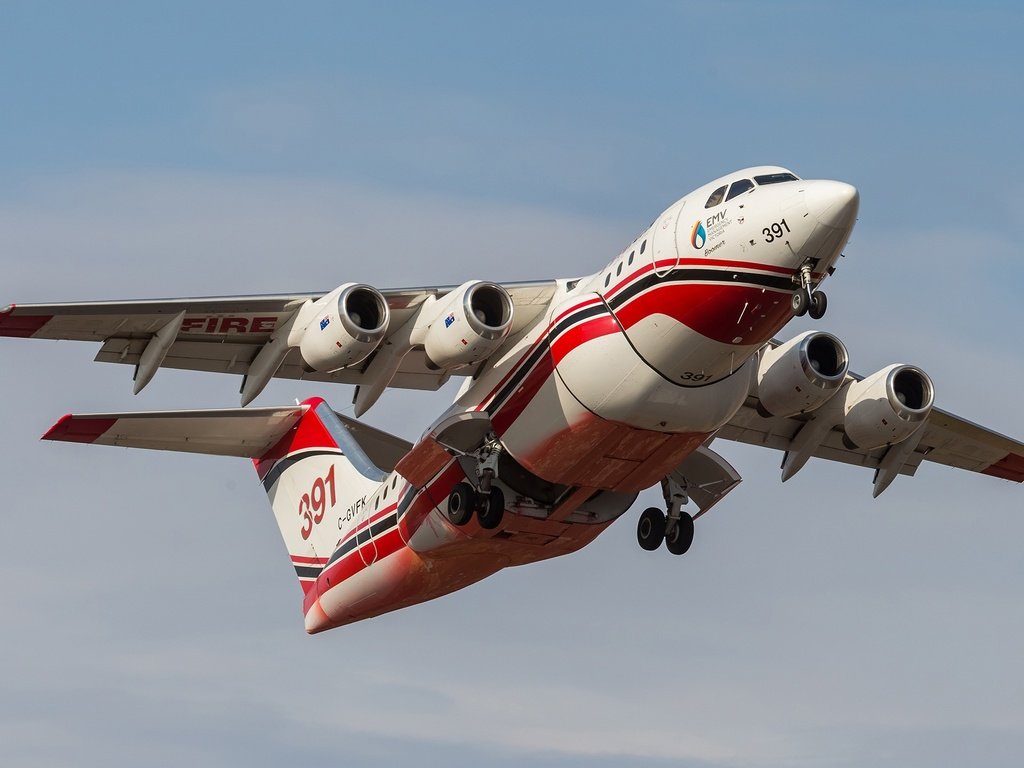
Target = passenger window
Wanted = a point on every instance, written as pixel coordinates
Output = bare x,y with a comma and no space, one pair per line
716,197
618,269
632,253
607,279
775,178
739,187
642,246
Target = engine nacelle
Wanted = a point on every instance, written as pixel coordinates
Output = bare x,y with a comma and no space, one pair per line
802,374
346,325
887,407
471,323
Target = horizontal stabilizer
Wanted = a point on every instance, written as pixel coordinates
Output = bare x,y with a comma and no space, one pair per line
244,432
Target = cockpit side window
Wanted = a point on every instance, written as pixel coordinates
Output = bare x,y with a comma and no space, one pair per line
716,197
739,187
775,178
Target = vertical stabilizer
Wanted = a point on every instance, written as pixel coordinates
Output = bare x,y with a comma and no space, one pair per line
315,476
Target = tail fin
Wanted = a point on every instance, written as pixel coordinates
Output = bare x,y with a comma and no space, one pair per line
314,470
316,477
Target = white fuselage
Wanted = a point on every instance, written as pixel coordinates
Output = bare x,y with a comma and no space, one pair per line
649,356
626,375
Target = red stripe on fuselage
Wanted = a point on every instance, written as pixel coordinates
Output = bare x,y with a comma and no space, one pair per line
721,312
390,541
540,338
669,265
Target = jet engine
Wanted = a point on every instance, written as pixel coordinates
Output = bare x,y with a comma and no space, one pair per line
887,407
346,325
802,374
471,323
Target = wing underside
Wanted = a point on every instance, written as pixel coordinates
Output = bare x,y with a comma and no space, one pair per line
225,334
946,439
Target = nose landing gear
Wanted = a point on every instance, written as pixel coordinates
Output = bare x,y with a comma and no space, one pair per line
806,300
675,527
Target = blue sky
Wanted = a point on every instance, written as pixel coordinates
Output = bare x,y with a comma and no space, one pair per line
193,149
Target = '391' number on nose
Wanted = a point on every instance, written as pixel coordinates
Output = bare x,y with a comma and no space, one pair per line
775,231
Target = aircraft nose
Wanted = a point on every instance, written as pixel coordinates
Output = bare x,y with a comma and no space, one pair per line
833,203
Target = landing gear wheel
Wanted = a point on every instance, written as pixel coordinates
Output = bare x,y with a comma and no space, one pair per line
650,529
678,541
801,303
492,508
819,303
460,503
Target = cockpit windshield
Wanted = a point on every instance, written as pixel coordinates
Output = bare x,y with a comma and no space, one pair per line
716,197
739,187
775,178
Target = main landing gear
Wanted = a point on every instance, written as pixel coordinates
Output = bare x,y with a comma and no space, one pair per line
486,500
806,300
674,528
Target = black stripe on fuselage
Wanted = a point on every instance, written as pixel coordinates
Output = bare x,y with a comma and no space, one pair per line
774,282
542,348
378,528
726,276
307,571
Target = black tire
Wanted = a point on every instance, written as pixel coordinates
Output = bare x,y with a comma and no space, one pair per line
800,303
461,503
679,541
650,528
492,509
819,303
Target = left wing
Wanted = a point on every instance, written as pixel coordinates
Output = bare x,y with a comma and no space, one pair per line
226,334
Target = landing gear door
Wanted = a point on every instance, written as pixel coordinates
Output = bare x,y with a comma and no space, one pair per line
664,242
706,478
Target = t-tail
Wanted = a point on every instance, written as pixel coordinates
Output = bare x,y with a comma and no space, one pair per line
315,487
315,467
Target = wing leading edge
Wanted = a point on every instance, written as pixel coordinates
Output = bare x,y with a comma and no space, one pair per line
225,334
944,439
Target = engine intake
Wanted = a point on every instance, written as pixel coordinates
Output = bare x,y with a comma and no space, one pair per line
888,406
802,374
346,325
470,325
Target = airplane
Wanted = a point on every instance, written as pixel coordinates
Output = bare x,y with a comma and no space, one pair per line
576,395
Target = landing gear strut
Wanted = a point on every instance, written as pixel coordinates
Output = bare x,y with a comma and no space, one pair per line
806,300
674,528
486,500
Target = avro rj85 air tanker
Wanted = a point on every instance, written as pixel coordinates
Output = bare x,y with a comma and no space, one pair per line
577,394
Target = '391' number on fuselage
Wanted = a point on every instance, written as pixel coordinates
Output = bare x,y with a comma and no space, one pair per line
775,231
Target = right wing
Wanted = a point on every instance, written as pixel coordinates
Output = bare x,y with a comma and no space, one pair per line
225,334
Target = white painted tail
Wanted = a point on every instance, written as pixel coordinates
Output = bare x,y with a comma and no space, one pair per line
317,478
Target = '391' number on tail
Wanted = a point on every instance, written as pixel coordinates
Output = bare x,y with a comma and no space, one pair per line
314,504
